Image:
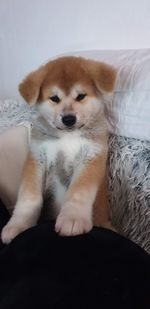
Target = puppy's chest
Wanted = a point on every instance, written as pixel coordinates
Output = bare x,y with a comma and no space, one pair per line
60,161
62,156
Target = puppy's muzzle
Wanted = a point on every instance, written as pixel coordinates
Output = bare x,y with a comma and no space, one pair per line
69,120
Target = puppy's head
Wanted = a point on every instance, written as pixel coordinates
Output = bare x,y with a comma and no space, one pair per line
69,91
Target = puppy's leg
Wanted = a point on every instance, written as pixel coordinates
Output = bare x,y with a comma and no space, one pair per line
76,214
29,203
101,216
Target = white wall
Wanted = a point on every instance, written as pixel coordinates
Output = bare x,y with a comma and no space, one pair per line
31,31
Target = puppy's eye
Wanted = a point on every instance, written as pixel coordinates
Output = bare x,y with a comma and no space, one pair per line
55,99
80,97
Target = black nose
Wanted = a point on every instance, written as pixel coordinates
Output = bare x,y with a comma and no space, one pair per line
69,120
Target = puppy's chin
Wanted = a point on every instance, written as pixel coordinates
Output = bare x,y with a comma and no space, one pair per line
70,129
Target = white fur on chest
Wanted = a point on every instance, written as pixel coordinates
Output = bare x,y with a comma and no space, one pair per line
71,145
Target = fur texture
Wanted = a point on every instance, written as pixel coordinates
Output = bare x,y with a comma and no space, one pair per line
129,187
69,94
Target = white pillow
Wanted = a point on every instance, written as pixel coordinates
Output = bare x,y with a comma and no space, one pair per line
131,99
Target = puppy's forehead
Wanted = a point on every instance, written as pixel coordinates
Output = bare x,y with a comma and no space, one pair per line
66,73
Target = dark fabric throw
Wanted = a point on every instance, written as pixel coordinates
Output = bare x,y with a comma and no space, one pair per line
101,269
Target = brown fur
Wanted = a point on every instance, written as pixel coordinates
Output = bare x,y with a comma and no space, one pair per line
65,72
62,81
31,177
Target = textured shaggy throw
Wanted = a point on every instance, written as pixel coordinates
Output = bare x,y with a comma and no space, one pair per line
128,177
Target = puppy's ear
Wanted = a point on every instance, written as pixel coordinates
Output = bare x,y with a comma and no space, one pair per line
30,86
104,76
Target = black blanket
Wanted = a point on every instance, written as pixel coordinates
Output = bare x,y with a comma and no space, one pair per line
101,269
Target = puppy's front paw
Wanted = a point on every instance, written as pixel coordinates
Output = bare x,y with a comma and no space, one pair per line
73,221
10,231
